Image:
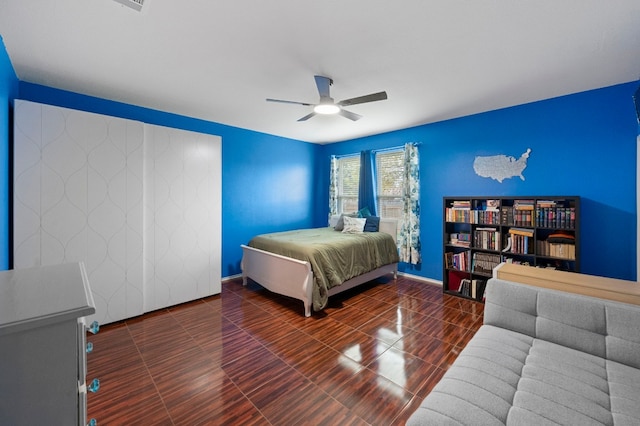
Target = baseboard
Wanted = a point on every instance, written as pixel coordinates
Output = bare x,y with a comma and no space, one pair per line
419,278
231,277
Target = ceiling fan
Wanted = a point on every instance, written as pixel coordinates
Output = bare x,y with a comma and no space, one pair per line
327,104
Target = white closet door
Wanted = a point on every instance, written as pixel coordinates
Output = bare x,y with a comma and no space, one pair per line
182,234
78,197
140,205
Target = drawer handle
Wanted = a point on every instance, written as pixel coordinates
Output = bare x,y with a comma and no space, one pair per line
94,327
89,347
92,422
94,386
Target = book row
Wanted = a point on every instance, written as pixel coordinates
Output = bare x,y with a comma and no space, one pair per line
482,263
560,250
487,239
517,240
457,261
472,288
519,244
460,239
556,217
548,217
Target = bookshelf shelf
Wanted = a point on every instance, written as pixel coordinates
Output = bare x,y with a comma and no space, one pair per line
481,232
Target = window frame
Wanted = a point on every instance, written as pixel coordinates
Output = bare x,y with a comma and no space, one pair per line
341,198
383,200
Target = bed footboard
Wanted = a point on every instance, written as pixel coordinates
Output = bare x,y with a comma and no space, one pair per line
279,274
294,278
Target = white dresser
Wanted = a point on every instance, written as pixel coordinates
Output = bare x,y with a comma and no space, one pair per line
43,349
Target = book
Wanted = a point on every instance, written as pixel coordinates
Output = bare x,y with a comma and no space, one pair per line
523,204
493,205
477,289
461,204
506,215
521,231
465,287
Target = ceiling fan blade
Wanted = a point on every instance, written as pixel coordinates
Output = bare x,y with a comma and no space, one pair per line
380,96
306,117
289,102
323,84
350,115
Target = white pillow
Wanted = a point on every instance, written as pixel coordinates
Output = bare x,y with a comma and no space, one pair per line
353,225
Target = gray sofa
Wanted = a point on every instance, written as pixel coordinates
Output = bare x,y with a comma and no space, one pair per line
542,357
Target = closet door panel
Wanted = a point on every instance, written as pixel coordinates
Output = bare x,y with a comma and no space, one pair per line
74,200
183,211
63,197
140,205
134,135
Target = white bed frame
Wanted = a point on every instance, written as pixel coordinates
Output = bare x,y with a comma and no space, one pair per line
294,278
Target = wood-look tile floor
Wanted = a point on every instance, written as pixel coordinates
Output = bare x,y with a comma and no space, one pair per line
250,357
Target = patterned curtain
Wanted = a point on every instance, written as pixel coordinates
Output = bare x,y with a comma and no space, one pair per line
409,237
333,187
367,184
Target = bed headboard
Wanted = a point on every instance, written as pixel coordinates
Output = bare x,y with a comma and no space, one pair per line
390,226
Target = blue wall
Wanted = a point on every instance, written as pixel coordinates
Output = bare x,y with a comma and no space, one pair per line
8,91
582,144
267,181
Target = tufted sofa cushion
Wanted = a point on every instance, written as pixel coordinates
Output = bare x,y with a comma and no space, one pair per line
542,357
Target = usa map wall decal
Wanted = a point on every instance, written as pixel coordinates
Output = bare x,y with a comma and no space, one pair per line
501,167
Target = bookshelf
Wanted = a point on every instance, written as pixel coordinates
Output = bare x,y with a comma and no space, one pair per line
481,232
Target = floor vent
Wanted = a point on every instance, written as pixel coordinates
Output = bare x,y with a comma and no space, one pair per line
133,4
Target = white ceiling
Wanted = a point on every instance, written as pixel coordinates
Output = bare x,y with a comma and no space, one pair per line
218,60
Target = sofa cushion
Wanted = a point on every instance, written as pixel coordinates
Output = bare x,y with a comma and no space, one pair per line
623,334
570,320
542,357
564,385
514,309
624,386
479,388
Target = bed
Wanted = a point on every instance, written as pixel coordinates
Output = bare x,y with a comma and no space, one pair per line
313,264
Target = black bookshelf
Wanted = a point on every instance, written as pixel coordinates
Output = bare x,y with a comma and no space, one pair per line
481,232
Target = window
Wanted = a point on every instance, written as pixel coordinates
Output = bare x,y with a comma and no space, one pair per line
390,175
348,181
389,165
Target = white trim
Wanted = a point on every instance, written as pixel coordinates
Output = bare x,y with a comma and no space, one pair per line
231,277
419,278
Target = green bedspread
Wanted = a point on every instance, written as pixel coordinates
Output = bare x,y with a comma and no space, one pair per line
334,257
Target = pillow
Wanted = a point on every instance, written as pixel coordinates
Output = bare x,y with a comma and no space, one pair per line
364,212
340,225
353,225
372,224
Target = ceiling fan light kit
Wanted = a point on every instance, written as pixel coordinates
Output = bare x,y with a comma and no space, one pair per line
326,109
327,106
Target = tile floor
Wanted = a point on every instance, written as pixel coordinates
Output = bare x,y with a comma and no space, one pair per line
250,357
